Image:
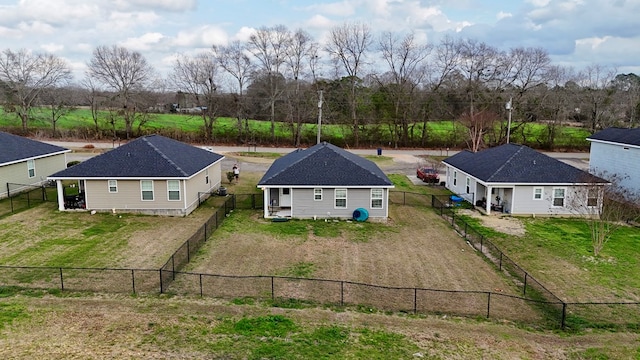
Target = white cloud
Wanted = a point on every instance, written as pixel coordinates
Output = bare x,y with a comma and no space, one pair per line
52,47
344,8
503,15
146,42
203,37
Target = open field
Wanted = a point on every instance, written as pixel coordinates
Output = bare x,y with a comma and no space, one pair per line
123,327
444,133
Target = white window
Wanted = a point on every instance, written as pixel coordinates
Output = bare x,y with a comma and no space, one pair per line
317,194
113,186
558,197
376,198
468,182
592,197
146,186
341,198
455,178
537,193
31,168
206,176
173,187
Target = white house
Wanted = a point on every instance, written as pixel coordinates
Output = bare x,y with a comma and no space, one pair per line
615,152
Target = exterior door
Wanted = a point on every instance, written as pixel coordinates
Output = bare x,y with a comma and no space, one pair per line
274,197
285,197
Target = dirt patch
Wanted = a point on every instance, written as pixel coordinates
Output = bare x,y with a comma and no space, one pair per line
504,224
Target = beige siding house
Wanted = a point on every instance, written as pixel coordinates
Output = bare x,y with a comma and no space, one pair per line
25,163
150,175
325,181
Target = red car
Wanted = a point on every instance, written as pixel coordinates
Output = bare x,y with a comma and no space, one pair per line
428,175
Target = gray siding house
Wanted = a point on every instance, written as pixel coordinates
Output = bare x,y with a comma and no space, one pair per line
615,152
151,175
26,162
518,180
324,181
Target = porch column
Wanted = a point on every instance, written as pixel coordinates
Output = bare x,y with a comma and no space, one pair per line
265,206
60,191
487,204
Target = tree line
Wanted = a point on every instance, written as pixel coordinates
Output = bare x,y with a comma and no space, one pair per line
366,81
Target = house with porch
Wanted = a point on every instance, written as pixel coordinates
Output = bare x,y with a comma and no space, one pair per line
516,179
615,154
150,175
324,181
25,163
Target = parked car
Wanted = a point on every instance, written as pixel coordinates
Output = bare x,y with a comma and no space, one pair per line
428,175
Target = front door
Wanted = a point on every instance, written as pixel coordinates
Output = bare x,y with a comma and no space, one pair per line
285,197
274,197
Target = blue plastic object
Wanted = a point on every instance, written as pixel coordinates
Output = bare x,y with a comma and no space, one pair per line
360,214
456,199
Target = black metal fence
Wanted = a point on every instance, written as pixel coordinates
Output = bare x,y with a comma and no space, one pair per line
536,305
24,196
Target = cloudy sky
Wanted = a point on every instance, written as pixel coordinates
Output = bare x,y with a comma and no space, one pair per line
575,32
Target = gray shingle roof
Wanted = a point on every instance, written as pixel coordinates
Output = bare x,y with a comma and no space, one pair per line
149,156
511,163
14,148
618,135
324,164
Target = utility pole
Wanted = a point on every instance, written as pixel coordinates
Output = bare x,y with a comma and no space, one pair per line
319,114
509,107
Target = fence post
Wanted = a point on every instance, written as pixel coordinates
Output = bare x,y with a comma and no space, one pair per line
253,201
188,253
453,218
341,293
404,198
488,303
133,281
481,241
524,288
200,285
500,260
465,230
273,296
415,301
61,280
564,315
173,266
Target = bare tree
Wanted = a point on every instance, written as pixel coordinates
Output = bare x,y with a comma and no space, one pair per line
58,102
596,82
347,45
123,71
198,76
93,98
606,206
477,125
301,56
269,46
406,61
25,75
235,62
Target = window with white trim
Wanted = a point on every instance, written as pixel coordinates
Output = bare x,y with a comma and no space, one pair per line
468,183
340,198
173,189
317,194
537,193
113,186
455,178
206,176
31,168
376,198
592,197
146,187
558,197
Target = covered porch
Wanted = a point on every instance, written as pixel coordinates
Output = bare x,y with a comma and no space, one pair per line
277,202
494,199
